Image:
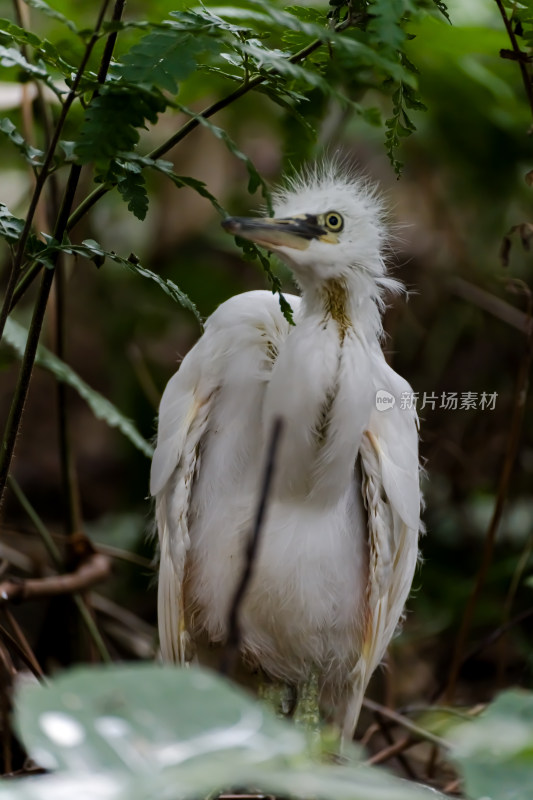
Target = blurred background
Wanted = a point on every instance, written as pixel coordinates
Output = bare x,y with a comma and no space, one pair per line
461,328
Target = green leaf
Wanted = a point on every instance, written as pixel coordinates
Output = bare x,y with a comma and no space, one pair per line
161,732
15,335
442,8
11,57
205,20
400,125
19,35
163,58
111,122
93,251
137,699
132,187
495,750
385,24
44,50
252,252
167,168
33,156
48,11
10,227
254,178
199,187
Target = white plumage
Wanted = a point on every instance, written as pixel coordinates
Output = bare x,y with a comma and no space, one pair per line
339,547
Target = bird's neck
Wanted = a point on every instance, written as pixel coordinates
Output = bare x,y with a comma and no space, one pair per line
350,307
321,386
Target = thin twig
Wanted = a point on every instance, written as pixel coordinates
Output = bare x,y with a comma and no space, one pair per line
42,530
23,654
92,628
502,658
55,555
69,478
399,755
231,650
21,637
394,749
403,722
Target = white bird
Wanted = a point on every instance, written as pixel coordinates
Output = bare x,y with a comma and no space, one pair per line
340,543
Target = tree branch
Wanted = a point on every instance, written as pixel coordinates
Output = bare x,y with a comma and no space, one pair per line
95,569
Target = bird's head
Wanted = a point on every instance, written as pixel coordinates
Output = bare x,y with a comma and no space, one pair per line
326,226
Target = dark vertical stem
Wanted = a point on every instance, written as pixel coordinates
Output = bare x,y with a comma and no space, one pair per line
526,79
21,391
231,651
23,383
71,493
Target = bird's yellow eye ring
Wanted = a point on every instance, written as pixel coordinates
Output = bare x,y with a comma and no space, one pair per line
334,221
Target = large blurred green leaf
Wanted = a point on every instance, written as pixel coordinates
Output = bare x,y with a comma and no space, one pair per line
495,751
163,732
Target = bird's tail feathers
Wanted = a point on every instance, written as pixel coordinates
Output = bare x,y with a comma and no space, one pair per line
174,640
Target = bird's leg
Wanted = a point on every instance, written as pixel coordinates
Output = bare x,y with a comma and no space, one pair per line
280,696
307,712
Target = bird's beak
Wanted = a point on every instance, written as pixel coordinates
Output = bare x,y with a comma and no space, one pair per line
296,232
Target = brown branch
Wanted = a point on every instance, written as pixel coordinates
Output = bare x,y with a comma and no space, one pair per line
21,652
391,750
494,305
233,641
95,569
22,641
402,760
517,54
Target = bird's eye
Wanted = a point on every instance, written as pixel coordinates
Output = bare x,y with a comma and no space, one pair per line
334,221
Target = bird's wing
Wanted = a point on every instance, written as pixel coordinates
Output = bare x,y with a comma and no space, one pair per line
188,403
183,416
391,493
